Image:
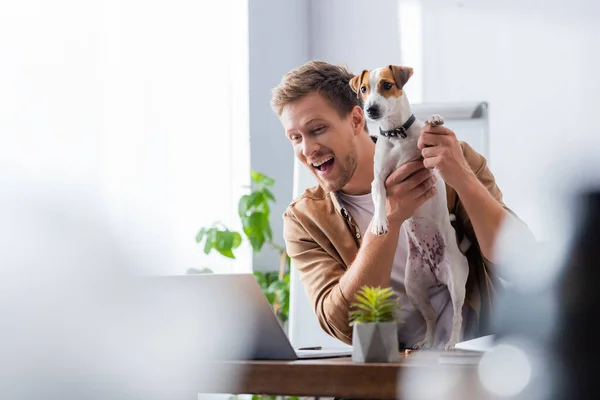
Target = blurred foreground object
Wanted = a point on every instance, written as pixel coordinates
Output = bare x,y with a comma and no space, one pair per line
76,321
578,299
546,318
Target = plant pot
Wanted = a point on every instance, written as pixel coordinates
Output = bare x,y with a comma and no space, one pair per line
375,342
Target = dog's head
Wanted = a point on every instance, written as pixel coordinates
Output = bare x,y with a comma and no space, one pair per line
382,90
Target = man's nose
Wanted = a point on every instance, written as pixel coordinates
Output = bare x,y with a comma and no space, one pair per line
309,147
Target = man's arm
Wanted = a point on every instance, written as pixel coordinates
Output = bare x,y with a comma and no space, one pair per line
485,213
466,172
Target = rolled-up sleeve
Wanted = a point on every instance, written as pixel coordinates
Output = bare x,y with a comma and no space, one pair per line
320,274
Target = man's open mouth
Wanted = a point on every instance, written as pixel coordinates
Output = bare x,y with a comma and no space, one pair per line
323,165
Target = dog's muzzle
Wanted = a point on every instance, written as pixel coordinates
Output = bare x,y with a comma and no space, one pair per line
373,111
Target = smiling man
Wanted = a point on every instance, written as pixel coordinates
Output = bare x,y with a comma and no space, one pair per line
326,229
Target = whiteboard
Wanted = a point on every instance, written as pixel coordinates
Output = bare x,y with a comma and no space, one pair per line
469,121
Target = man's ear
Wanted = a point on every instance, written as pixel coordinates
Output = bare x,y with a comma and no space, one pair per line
358,119
401,74
356,82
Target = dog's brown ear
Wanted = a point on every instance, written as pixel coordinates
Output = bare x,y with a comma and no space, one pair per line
356,82
401,74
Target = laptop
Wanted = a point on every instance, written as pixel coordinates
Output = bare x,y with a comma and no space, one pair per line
239,322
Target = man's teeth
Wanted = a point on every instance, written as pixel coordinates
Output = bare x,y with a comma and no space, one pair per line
318,164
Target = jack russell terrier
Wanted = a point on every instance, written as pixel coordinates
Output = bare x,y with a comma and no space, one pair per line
434,257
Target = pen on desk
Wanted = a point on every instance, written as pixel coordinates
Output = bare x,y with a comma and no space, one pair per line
311,348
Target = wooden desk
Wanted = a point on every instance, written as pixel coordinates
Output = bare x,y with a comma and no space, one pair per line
340,377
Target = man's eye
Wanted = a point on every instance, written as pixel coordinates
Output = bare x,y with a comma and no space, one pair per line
387,85
319,129
295,138
363,89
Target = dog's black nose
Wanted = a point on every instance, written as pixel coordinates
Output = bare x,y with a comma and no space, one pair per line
373,111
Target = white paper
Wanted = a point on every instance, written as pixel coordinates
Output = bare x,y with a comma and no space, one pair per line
481,344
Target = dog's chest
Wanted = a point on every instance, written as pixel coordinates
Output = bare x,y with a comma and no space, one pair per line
401,151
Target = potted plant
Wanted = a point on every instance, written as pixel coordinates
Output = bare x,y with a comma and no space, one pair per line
374,325
254,214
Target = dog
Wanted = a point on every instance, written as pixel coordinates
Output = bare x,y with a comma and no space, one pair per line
434,257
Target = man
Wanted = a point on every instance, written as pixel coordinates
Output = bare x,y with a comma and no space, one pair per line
326,229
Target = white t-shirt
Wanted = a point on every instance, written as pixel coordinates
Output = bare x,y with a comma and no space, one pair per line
414,327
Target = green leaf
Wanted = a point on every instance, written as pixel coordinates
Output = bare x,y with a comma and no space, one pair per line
226,252
248,202
224,240
244,204
191,271
259,178
254,228
200,235
257,241
207,246
374,304
270,297
267,229
261,279
268,195
211,240
237,240
278,285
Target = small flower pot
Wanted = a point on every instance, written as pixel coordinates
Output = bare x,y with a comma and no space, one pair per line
375,342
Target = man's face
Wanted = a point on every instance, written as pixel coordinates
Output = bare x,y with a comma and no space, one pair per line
322,140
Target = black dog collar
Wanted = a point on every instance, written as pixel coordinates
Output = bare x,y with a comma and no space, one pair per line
399,132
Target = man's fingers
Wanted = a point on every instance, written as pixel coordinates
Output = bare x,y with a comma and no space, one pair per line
427,195
430,152
413,181
423,187
430,139
431,163
404,172
437,130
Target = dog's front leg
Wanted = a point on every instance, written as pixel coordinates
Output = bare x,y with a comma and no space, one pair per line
382,169
379,225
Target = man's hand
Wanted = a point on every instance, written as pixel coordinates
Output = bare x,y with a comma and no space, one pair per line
440,149
407,188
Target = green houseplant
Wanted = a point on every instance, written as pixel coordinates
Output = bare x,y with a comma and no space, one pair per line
254,213
374,325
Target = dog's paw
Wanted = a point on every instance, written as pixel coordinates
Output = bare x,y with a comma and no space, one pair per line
379,226
435,120
423,344
450,345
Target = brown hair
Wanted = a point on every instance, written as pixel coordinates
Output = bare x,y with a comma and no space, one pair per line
330,81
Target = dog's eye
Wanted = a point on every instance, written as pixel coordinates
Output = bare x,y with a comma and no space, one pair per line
387,85
363,89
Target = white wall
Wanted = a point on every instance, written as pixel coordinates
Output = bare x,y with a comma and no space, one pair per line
536,64
279,41
112,98
346,32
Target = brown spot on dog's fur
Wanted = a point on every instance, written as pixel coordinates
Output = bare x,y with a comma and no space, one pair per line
387,76
359,81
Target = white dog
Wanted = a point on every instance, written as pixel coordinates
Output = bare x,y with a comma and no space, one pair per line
433,256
